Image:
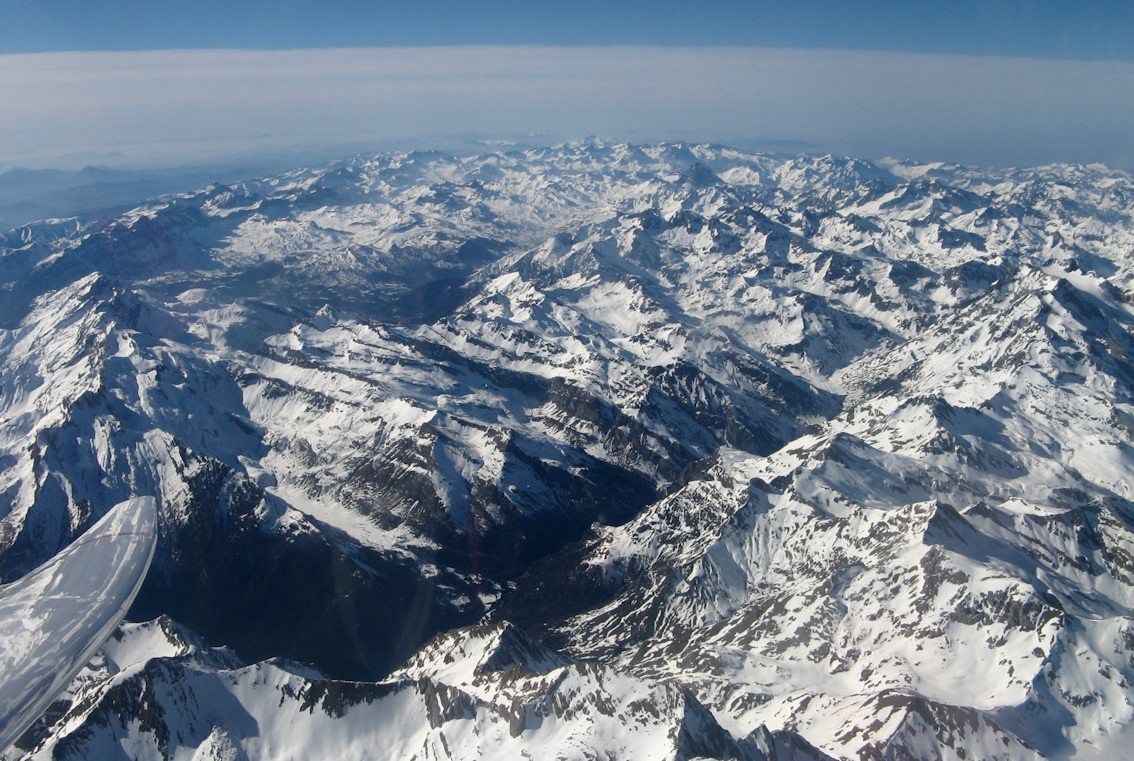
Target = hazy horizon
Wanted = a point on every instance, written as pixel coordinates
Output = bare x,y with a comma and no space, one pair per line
180,107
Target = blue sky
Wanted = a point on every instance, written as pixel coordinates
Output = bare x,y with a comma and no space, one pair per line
165,82
1033,28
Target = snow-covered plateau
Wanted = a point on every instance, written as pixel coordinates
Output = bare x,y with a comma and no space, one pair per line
591,452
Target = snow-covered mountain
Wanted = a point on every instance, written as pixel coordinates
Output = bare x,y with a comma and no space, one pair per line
592,451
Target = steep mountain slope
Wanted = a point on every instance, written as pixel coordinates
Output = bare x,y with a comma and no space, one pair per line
157,688
784,457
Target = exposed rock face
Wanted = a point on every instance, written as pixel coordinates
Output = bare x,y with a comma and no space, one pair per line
783,458
482,692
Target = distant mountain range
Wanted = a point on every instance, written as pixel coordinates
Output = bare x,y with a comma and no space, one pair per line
594,451
96,192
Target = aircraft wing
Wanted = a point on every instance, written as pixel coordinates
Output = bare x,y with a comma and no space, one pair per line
55,618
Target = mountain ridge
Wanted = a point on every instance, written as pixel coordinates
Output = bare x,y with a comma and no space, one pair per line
781,445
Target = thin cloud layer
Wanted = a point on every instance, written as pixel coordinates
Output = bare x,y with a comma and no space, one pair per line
169,107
